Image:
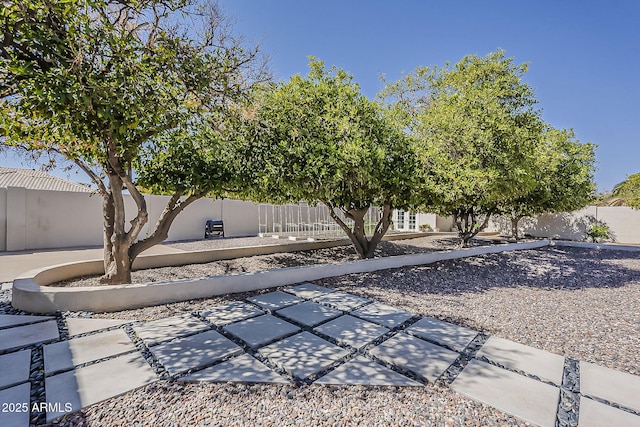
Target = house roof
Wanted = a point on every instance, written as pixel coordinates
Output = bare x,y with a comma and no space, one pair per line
37,180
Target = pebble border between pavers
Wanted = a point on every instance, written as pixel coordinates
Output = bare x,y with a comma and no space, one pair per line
568,406
566,416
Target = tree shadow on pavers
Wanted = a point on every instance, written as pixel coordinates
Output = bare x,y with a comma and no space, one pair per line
546,268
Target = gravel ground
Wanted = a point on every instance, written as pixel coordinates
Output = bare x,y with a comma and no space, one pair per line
268,262
580,303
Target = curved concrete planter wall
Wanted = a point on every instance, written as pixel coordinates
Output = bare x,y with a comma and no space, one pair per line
31,294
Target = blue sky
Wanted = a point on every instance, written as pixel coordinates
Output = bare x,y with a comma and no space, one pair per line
584,55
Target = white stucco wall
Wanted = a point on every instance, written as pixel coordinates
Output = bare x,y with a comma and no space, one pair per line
16,219
3,219
62,219
240,218
37,219
623,222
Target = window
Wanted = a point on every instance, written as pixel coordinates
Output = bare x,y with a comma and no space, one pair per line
412,222
400,221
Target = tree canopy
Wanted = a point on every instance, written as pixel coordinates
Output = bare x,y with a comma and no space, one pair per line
628,191
476,131
563,172
121,88
318,139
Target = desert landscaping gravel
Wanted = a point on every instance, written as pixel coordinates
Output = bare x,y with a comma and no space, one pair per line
580,303
268,262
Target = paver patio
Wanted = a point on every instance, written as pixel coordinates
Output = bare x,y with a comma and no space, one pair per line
443,333
259,331
304,354
377,345
167,329
184,354
79,326
309,313
232,312
363,371
17,395
342,301
24,335
7,320
383,314
91,384
596,414
65,355
275,300
423,358
351,331
243,368
546,366
515,394
608,384
14,368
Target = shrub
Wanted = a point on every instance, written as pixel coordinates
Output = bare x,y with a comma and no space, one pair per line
598,231
425,227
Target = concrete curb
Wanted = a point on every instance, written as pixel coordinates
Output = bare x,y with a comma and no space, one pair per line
31,294
588,245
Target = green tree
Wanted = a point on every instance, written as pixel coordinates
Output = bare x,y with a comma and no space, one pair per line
628,191
123,90
318,139
476,133
563,171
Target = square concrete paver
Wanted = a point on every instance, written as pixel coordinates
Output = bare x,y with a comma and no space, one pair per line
304,354
65,355
243,368
21,336
423,358
352,331
443,333
309,313
544,365
610,385
85,386
158,331
383,314
526,398
362,371
78,326
309,290
233,312
18,414
7,320
596,414
259,331
195,351
14,368
342,301
275,300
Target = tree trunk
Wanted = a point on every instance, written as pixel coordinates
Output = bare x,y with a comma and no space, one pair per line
365,248
468,224
120,246
161,232
117,239
514,226
117,268
381,228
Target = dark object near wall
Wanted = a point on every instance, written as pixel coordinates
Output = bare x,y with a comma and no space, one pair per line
213,227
